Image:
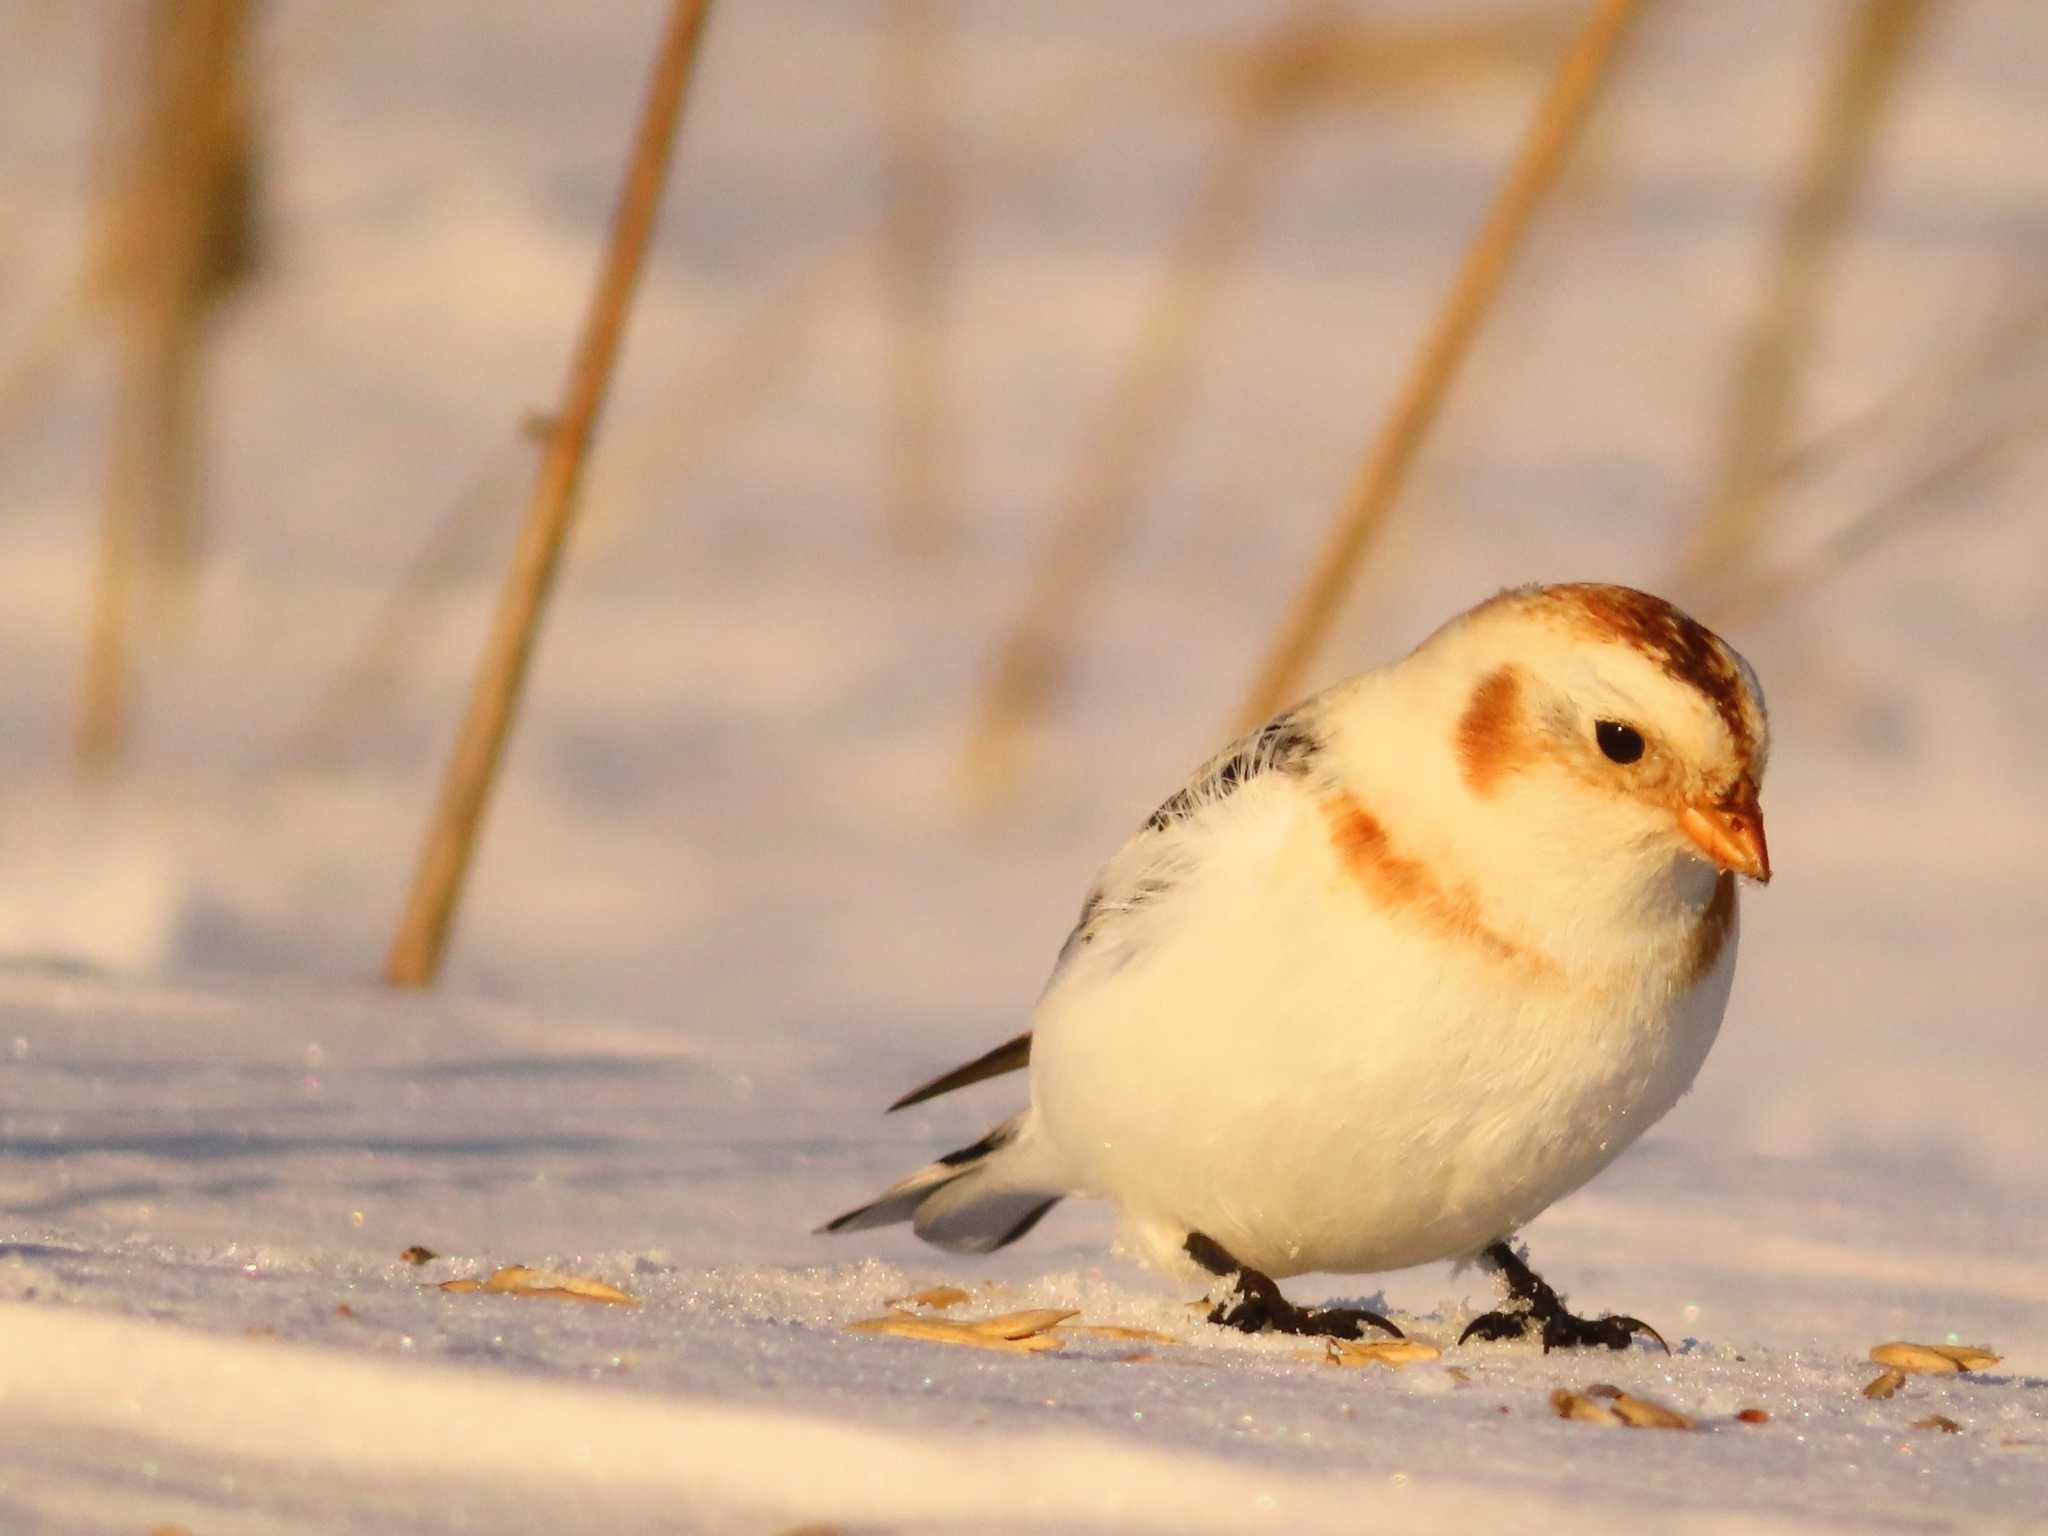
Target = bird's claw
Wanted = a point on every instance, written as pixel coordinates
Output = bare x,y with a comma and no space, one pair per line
1534,1307
1562,1330
1254,1303
1253,1312
1614,1331
1495,1327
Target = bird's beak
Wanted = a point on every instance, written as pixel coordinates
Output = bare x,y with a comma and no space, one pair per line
1730,833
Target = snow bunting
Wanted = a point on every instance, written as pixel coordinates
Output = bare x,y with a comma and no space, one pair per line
1394,972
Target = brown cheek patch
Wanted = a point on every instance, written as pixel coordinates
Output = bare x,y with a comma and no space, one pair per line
1491,741
1394,880
1716,923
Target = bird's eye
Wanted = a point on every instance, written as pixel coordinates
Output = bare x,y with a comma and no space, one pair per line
1622,743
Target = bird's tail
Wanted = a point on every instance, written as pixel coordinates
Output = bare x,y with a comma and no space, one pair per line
975,1200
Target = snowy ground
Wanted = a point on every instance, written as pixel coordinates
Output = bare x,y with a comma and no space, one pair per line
727,907
206,1177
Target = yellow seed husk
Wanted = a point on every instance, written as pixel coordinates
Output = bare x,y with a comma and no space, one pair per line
1022,1325
1392,1353
1012,1332
1586,1410
1886,1383
519,1280
1933,1359
1643,1413
937,1297
1611,1406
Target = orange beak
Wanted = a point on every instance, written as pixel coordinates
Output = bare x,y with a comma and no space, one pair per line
1730,834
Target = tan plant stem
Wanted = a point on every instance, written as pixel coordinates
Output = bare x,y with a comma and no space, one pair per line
415,955
920,213
1123,442
1762,406
1384,471
176,236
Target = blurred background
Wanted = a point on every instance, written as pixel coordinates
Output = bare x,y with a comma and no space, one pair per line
966,320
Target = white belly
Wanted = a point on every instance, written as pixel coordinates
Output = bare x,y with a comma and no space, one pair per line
1320,1085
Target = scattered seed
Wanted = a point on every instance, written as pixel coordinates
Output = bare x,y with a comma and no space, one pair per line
1015,1332
1753,1416
1391,1353
1933,1359
1586,1410
419,1254
1024,1325
518,1280
1643,1413
1885,1385
1611,1406
1940,1421
937,1297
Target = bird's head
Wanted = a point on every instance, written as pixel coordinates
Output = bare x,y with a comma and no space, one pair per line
1626,726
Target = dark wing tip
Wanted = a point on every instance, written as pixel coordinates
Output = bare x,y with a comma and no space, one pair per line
855,1219
1033,1217
930,1090
1010,1056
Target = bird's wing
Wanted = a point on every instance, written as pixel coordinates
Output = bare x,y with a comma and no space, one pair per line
1010,1056
1288,743
1147,868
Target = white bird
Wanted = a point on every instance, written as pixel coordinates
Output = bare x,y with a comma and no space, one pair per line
1395,972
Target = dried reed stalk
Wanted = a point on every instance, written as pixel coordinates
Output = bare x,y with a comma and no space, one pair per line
721,386
374,676
916,241
732,377
46,345
1343,57
663,440
178,234
1940,483
415,955
1384,471
294,43
1876,50
1125,439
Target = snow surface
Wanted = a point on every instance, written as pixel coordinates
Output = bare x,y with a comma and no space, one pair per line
198,1180
727,906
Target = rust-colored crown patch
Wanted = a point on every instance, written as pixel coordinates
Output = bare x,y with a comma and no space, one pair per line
1685,648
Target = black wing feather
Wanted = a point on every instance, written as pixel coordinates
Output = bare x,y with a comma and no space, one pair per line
1010,1056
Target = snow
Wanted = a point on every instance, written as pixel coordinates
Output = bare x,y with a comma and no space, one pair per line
198,1180
727,907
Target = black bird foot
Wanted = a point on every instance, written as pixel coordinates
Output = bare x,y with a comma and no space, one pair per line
1533,1307
1255,1304
1563,1330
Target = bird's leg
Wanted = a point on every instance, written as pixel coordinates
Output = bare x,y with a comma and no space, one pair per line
1255,1304
1533,1307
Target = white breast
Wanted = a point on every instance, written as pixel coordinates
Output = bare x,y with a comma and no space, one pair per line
1321,1080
